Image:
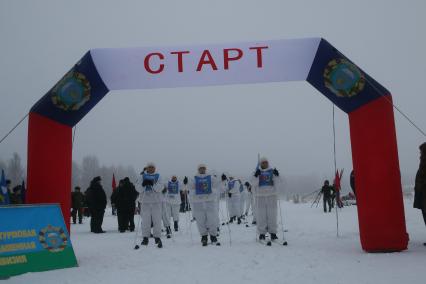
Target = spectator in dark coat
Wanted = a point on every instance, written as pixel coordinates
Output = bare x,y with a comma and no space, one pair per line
96,201
184,205
420,185
327,194
352,181
77,202
124,198
15,196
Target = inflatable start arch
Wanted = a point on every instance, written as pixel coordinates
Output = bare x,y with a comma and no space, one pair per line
367,103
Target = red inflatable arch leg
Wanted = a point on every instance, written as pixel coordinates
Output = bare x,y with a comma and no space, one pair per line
49,163
377,176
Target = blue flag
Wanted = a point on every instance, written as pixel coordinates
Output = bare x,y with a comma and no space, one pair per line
4,195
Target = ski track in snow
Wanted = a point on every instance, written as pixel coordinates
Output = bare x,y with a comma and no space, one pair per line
314,255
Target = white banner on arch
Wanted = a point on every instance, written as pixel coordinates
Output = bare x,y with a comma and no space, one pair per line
205,65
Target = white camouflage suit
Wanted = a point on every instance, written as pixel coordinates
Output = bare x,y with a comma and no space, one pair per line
243,200
251,203
265,201
172,202
232,186
151,208
204,206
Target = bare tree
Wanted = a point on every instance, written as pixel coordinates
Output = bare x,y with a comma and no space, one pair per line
90,168
2,165
15,171
131,173
76,174
106,175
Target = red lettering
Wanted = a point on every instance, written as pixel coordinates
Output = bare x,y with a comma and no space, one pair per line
180,58
148,67
259,54
209,60
226,57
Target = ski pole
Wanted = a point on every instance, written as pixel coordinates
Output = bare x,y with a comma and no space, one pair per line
189,217
282,224
281,214
139,225
319,199
227,224
168,215
315,199
136,246
256,204
227,210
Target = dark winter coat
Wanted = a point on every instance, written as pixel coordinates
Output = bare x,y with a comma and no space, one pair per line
420,185
327,191
96,197
352,181
125,196
15,198
77,200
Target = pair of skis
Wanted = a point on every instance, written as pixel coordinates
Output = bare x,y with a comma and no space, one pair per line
215,244
159,245
268,242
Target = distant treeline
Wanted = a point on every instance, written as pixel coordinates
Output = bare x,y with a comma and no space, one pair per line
84,172
13,169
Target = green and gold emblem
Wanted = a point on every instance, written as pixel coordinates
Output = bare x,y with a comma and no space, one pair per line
343,78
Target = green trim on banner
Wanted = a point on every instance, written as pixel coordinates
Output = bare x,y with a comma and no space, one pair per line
36,261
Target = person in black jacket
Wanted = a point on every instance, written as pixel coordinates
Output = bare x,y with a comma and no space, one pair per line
77,200
15,196
124,198
184,205
327,192
96,201
420,184
352,181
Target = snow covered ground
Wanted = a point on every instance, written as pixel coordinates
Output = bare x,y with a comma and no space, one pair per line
314,254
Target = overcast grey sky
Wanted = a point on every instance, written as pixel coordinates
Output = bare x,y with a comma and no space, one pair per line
291,123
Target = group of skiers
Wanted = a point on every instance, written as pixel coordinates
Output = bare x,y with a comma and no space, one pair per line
160,201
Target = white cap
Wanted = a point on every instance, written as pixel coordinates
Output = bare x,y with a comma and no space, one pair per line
150,164
201,166
263,159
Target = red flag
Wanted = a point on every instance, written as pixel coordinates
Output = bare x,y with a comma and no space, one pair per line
114,185
337,187
337,181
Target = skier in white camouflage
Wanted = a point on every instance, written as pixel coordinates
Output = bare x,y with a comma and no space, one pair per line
203,198
172,204
265,185
151,204
250,202
232,188
243,200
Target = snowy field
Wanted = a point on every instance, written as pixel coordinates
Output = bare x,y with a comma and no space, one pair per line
314,254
